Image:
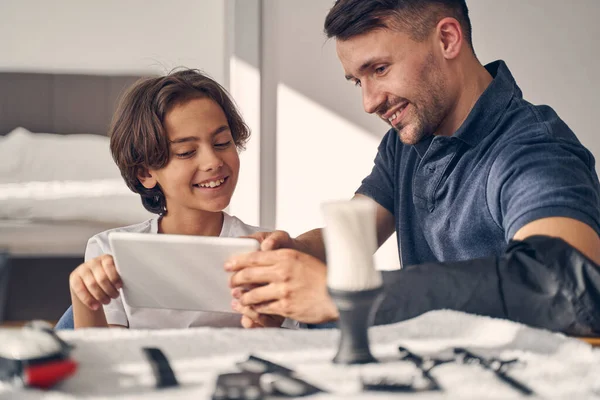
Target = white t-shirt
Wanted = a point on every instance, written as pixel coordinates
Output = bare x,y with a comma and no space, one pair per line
119,312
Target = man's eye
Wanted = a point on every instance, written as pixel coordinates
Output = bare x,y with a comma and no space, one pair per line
223,145
380,70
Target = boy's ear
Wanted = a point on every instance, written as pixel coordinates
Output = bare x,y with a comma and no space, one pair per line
146,178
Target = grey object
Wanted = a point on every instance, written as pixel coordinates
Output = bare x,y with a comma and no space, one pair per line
357,311
4,276
59,103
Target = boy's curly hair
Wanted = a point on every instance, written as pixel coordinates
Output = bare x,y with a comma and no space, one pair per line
138,139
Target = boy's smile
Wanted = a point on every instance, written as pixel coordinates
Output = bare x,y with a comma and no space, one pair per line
213,183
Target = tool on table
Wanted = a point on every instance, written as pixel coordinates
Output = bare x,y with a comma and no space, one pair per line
274,379
165,377
499,367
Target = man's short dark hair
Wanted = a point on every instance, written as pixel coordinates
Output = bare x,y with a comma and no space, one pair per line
348,18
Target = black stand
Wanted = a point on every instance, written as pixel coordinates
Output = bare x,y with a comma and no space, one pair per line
357,310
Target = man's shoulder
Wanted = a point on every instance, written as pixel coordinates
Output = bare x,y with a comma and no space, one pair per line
524,121
535,132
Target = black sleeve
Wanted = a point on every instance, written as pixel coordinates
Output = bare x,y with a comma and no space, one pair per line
541,281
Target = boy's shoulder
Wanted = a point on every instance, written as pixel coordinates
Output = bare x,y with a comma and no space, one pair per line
235,227
101,239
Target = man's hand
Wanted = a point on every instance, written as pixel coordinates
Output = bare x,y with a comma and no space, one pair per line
268,241
293,284
277,240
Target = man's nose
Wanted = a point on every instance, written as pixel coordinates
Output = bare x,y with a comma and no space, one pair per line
373,98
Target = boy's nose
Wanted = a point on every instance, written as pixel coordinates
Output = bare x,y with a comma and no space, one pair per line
211,161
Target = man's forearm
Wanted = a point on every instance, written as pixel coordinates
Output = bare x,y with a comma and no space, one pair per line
311,242
541,281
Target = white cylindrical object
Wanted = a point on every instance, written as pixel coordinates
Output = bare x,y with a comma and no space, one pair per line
350,242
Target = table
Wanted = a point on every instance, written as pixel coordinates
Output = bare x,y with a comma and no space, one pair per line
112,363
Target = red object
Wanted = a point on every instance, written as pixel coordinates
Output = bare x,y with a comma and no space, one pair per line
48,374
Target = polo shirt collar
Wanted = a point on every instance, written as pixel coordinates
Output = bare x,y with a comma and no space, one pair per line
487,110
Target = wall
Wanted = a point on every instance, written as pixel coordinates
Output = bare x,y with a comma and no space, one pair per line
552,50
112,36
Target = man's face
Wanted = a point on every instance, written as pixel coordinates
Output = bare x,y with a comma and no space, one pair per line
401,80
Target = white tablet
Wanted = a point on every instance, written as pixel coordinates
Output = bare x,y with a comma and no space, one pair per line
177,272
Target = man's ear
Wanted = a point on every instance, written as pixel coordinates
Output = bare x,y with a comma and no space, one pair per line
451,37
146,178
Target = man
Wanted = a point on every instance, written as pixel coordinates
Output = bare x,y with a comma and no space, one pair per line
467,167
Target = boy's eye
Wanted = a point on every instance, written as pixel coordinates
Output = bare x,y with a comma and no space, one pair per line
186,154
223,145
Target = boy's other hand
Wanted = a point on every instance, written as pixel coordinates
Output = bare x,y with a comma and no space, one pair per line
252,319
96,282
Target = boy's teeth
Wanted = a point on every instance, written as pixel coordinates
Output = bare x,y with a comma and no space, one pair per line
212,184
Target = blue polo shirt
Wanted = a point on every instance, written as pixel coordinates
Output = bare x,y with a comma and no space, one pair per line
463,197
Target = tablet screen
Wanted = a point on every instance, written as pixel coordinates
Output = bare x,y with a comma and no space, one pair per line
178,272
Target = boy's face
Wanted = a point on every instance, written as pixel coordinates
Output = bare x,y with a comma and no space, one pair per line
203,167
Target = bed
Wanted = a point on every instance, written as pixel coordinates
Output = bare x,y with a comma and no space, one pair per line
58,183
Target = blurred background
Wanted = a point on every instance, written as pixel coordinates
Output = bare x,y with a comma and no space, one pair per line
68,60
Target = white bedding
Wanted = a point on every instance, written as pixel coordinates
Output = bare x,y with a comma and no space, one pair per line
98,201
57,191
111,363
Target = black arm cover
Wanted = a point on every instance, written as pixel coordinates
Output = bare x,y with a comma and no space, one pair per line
541,281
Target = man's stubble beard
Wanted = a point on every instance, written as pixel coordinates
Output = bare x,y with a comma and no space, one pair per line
429,110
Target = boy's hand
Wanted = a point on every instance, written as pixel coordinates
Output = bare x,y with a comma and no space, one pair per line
96,282
252,319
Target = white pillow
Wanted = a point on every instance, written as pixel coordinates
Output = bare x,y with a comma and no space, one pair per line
101,201
44,157
50,177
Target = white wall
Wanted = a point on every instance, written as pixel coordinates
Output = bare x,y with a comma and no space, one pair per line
325,143
553,52
113,36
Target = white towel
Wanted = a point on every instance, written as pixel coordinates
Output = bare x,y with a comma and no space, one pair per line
112,364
